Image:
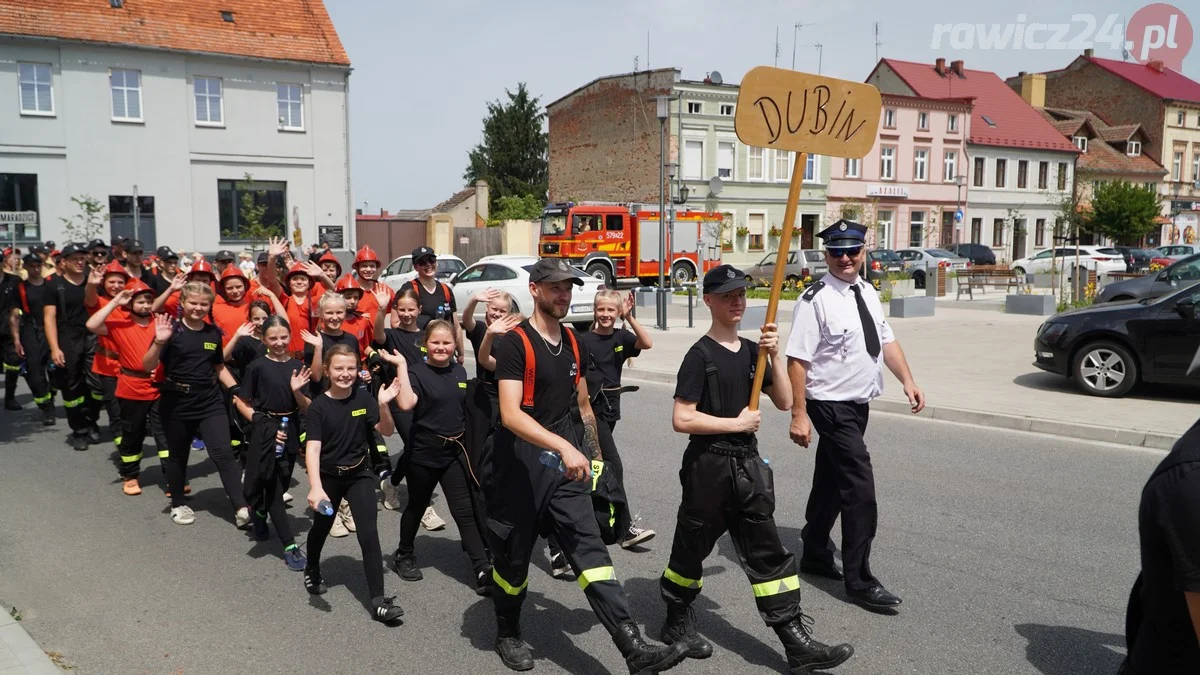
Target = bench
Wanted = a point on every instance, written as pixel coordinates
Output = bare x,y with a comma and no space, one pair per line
1122,276
979,277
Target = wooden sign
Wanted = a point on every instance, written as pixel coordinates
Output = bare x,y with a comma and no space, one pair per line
787,110
805,113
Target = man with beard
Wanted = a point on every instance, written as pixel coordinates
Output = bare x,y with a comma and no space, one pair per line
534,475
134,268
71,346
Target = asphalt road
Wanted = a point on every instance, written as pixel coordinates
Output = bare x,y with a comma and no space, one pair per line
1014,554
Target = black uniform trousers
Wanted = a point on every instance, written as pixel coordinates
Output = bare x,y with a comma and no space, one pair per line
79,386
140,417
356,488
722,492
267,476
525,498
843,484
12,365
214,429
37,363
108,393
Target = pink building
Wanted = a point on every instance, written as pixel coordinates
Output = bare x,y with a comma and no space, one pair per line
908,188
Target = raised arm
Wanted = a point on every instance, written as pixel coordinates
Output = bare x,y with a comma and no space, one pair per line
276,305
91,296
317,344
176,285
242,331
644,341
95,322
163,327
300,378
499,327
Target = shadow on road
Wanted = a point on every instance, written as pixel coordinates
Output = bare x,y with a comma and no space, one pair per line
1043,381
790,536
546,626
1055,650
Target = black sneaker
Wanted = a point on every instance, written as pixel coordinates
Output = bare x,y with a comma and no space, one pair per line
406,567
484,582
78,442
385,610
93,435
313,582
11,404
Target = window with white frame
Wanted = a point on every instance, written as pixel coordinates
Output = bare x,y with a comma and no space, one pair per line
291,106
950,166
853,168
916,228
923,121
1181,118
783,165
887,162
1177,167
725,154
126,95
757,224
811,164
695,107
1080,142
921,164
208,100
693,159
1001,172
978,173
727,109
1196,167
37,92
952,123
1133,148
889,118
755,163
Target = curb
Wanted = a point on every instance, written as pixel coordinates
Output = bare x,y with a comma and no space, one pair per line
1073,430
18,651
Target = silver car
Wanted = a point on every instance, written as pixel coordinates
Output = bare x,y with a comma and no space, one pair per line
800,264
920,260
1178,251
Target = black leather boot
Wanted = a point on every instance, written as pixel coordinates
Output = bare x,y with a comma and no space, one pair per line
513,651
642,657
804,654
680,628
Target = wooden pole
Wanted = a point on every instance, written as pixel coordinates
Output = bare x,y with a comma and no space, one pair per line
785,241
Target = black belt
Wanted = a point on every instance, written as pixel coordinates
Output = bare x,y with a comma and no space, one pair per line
183,387
335,470
140,374
277,415
728,449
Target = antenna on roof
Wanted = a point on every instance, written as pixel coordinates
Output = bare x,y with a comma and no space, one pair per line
776,46
1124,44
878,44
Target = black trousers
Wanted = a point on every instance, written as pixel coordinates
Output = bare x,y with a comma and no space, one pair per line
525,498
736,495
108,391
608,447
267,476
843,484
140,417
403,421
37,361
358,490
461,496
80,389
215,432
12,365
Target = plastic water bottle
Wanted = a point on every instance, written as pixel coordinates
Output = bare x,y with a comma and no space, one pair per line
552,460
325,508
22,368
279,445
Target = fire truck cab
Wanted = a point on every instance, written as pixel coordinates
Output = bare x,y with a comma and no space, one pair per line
613,241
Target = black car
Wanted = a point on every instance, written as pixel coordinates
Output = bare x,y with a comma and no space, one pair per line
1178,276
881,262
1109,348
978,254
1136,259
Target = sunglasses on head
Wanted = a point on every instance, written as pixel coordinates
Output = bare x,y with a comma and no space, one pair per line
844,250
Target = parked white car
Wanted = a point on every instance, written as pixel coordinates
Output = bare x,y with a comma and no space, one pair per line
1103,259
511,273
400,271
1178,251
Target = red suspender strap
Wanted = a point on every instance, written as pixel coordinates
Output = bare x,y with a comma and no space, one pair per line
530,369
417,288
575,348
446,292
24,297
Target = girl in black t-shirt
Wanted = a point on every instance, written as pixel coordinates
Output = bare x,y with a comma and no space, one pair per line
273,389
191,403
404,339
246,344
340,425
435,390
332,311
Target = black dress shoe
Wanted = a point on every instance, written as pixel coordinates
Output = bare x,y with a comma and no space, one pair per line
875,597
821,569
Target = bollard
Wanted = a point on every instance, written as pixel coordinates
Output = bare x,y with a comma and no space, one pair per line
691,290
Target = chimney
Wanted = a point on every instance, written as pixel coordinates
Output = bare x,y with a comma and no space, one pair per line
939,66
358,212
1021,74
481,200
956,67
383,212
1155,65
1033,89
1089,52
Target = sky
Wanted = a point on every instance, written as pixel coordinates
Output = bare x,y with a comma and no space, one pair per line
423,72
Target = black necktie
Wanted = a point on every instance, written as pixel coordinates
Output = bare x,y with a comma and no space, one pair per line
870,333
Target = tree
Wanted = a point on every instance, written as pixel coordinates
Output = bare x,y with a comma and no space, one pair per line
516,207
513,157
89,223
251,213
1122,211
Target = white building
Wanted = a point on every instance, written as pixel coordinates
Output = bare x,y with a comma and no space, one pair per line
178,100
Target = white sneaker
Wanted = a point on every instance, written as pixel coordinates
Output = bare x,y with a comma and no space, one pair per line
242,517
391,494
431,520
183,515
346,516
287,498
338,529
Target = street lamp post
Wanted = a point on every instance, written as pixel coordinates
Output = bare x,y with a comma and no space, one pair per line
663,114
959,180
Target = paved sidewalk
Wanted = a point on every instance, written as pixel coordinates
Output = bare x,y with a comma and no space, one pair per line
19,654
975,364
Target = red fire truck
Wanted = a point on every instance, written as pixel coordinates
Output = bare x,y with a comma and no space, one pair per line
613,241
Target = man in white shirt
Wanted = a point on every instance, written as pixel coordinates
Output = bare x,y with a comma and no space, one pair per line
836,352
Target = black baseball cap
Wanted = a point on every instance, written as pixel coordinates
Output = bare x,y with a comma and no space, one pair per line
263,257
224,255
165,252
120,241
724,278
97,243
73,248
133,246
422,252
31,260
554,269
50,245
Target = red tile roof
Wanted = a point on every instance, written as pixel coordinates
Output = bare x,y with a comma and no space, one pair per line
1166,84
1017,124
1101,157
290,30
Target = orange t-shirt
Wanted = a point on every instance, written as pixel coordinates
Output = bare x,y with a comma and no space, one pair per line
229,317
369,306
299,316
361,327
104,362
132,342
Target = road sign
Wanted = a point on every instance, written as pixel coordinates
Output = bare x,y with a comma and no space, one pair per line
958,216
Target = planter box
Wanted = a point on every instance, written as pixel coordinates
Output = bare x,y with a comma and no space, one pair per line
903,288
1037,305
907,308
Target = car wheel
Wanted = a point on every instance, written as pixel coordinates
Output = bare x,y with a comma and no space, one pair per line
681,273
919,279
600,271
1105,369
